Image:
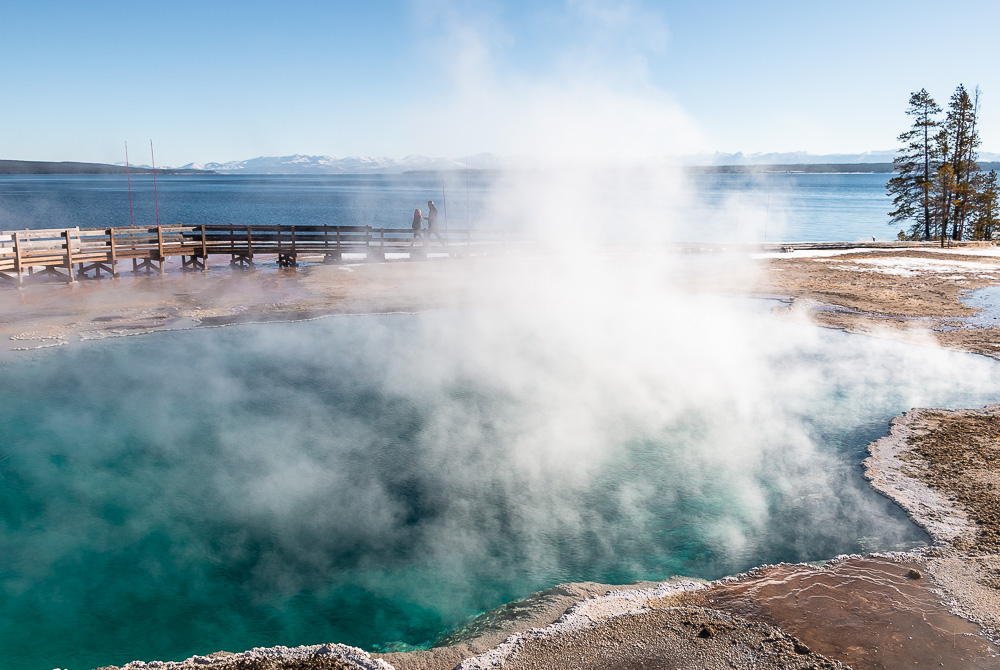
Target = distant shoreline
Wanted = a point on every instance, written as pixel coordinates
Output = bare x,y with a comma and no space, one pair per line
69,167
818,168
18,167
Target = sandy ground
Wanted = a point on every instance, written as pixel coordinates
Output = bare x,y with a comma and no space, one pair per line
905,294
936,607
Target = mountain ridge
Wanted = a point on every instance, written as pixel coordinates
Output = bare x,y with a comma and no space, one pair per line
303,164
880,161
307,164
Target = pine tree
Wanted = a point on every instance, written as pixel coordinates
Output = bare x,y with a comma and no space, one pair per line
985,221
963,138
917,166
942,189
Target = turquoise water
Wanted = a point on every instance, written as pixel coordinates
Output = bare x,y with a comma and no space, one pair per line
709,207
376,480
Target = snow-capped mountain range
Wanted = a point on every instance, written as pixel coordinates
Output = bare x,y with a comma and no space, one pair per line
303,164
300,164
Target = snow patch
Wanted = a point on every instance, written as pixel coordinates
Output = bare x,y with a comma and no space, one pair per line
909,266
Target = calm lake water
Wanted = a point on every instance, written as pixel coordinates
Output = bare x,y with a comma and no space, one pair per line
771,207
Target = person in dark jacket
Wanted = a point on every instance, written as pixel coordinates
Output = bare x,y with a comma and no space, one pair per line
432,222
417,221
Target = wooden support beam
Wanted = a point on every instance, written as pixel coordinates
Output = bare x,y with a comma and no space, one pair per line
336,255
146,265
69,255
15,277
192,262
113,253
238,258
17,259
52,271
204,250
287,259
96,266
159,249
241,261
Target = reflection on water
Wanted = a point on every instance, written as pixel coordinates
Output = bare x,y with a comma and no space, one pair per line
987,300
375,480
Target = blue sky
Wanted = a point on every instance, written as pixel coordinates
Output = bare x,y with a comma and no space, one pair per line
218,81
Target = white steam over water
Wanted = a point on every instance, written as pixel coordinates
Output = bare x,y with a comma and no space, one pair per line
376,479
373,480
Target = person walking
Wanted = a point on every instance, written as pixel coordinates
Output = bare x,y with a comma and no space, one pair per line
417,221
432,222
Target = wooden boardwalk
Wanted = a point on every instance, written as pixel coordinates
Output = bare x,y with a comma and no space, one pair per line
68,254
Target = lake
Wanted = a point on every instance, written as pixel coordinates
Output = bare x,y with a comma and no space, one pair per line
702,207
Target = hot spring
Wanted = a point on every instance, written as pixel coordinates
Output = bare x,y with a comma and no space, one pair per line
375,480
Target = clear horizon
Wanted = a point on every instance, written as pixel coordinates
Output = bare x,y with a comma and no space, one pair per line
578,79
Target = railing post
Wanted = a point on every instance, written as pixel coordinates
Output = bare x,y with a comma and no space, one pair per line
69,255
17,257
204,250
113,254
159,247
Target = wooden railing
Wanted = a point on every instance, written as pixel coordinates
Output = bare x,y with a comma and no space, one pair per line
69,253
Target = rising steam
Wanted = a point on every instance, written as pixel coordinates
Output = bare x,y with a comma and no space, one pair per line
369,479
376,479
